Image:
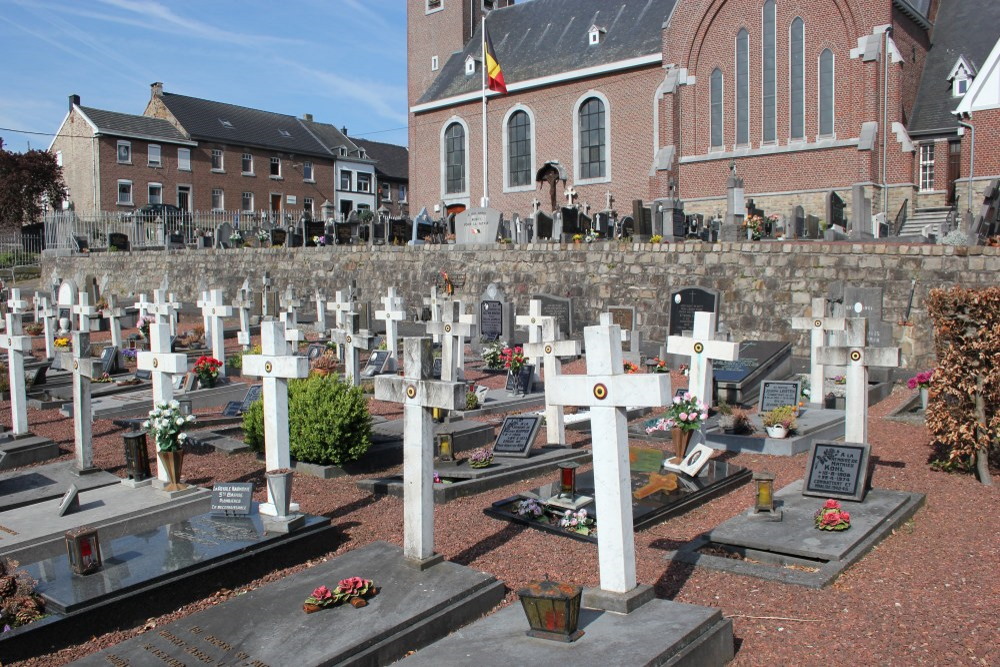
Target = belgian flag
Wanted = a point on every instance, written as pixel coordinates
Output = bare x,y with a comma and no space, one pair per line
494,75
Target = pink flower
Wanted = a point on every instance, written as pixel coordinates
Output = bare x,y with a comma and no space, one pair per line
682,416
677,400
844,516
703,416
831,505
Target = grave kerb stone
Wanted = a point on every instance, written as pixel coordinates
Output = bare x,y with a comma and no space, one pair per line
703,349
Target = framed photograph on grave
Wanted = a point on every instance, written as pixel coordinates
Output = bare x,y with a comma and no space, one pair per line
517,434
315,351
70,501
778,393
693,462
837,470
376,363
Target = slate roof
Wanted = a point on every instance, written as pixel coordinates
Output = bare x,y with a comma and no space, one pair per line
206,120
391,161
544,37
963,27
330,136
129,125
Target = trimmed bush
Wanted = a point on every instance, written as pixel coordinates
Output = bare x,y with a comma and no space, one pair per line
328,421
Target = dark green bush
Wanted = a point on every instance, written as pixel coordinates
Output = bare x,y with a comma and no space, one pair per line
328,421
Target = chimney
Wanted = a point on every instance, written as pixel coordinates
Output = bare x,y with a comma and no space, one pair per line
156,88
74,100
343,130
307,117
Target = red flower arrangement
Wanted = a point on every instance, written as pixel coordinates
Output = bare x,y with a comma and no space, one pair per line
832,517
513,358
630,368
353,590
207,370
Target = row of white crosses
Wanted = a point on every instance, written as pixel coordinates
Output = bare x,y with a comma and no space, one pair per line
549,348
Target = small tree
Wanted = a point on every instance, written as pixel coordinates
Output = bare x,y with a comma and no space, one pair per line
26,181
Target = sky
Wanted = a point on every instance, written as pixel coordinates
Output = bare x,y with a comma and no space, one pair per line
344,61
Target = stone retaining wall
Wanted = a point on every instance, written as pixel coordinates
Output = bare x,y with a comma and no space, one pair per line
763,285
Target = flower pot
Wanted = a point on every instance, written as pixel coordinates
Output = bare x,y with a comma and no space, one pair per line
279,490
206,382
681,438
310,608
777,431
172,462
924,396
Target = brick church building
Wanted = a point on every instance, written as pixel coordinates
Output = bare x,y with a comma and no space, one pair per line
630,98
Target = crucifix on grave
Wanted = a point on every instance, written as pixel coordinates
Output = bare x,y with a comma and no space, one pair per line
608,392
213,308
393,312
243,303
419,394
858,357
48,314
85,368
550,348
84,310
276,366
818,325
17,345
609,200
353,342
434,303
113,314
453,332
703,349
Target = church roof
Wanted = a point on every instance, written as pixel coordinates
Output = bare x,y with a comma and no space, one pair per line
543,38
963,28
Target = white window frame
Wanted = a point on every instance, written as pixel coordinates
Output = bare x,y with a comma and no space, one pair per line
432,6
308,175
221,194
506,153
243,201
243,164
927,167
307,205
221,155
158,162
470,66
367,185
443,156
956,85
434,63
275,161
385,191
149,192
59,158
402,193
350,180
183,159
576,138
131,197
127,145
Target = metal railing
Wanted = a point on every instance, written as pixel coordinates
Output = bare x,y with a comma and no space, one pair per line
900,220
17,251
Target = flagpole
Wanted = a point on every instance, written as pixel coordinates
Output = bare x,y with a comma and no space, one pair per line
486,191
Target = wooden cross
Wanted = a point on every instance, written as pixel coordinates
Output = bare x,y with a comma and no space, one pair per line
112,314
857,357
85,368
453,332
608,392
243,303
17,345
276,367
392,313
214,309
84,310
703,349
419,394
353,342
550,348
16,304
434,302
48,314
818,325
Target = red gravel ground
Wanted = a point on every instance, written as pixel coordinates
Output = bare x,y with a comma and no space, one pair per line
926,595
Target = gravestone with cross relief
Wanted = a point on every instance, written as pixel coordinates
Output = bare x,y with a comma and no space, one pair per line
276,367
702,348
608,392
550,348
17,345
214,309
419,395
392,313
818,325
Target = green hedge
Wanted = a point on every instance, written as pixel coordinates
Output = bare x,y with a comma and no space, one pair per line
328,421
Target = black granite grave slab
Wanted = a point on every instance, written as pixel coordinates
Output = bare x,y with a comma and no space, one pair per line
412,609
716,478
660,632
25,450
793,550
47,482
737,382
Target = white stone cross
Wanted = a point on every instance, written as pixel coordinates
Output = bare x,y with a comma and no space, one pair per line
17,345
703,349
858,357
16,304
143,304
570,195
85,368
535,205
608,391
534,322
214,309
419,394
342,303
162,309
453,332
276,367
243,303
290,316
48,314
173,315
113,313
434,303
164,365
818,325
320,297
205,305
83,309
392,313
353,342
550,348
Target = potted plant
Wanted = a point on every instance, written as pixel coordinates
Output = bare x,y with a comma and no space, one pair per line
207,370
684,417
279,489
324,364
513,360
481,458
922,381
779,422
166,425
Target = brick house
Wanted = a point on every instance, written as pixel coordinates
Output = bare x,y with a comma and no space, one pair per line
806,98
118,162
979,110
392,164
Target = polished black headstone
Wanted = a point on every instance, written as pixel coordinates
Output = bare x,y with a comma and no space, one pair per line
521,382
837,470
491,319
254,393
517,434
753,355
143,374
231,498
559,308
685,302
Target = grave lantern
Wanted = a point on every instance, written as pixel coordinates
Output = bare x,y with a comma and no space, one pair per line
553,610
567,480
84,549
136,456
438,414
443,447
185,407
763,507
